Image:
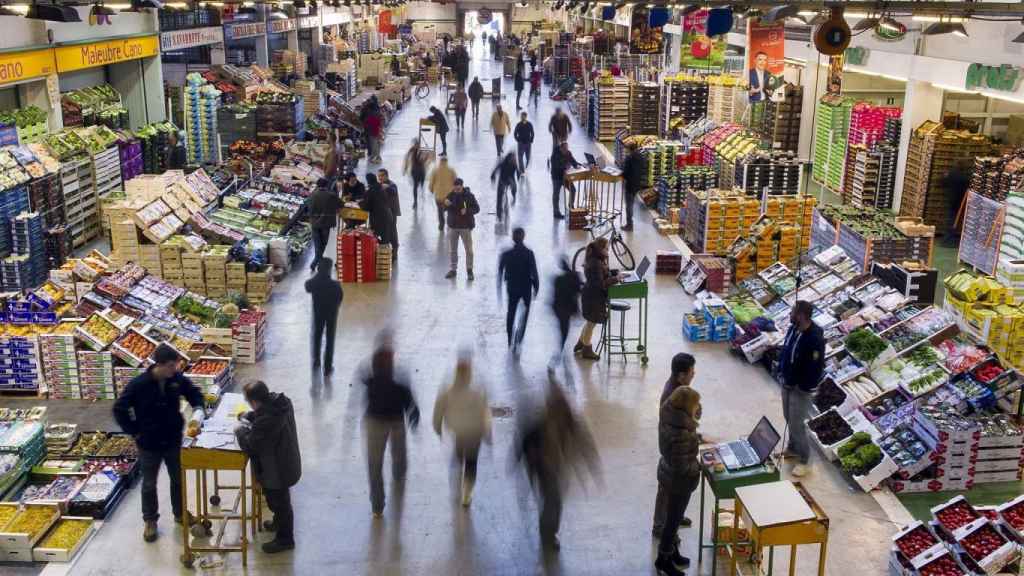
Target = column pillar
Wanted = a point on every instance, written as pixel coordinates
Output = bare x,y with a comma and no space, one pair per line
923,101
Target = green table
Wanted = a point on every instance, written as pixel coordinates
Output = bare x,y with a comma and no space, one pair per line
723,486
628,291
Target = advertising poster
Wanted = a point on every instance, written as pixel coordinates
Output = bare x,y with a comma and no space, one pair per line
642,38
766,52
699,50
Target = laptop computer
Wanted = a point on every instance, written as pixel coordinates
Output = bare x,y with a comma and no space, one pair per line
591,160
638,274
752,451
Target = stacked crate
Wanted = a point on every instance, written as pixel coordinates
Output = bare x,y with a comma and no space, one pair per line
384,260
796,211
723,95
830,138
612,107
60,365
96,375
193,272
249,335
235,122
312,98
668,262
285,62
683,100
777,172
779,122
201,103
661,159
124,375
21,355
28,240
46,198
873,178
215,274
1011,246
258,286
106,171
357,251
643,107
236,277
170,263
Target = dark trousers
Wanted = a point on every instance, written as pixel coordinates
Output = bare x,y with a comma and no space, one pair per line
499,143
150,461
503,185
280,503
417,183
460,119
550,506
518,94
320,237
523,153
467,451
563,328
510,317
678,498
630,198
440,215
444,142
327,324
556,185
476,108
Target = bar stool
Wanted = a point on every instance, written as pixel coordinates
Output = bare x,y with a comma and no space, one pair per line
611,340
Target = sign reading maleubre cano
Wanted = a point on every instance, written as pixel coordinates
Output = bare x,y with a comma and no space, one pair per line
81,56
18,66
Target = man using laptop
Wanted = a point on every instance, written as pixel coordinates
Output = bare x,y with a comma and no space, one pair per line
801,364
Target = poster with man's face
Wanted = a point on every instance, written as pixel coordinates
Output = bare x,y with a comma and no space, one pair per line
766,53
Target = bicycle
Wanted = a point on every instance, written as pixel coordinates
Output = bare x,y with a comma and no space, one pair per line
422,89
618,246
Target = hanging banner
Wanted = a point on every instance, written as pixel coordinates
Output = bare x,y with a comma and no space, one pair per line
766,54
281,26
181,39
309,21
82,56
644,39
245,30
18,66
698,49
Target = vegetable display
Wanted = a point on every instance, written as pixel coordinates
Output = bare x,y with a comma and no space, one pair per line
944,566
830,428
7,512
859,455
829,395
982,542
66,534
23,117
32,520
863,388
865,345
904,447
956,515
916,541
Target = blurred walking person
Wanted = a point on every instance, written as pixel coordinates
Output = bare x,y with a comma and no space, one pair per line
462,409
323,216
552,446
633,172
501,126
507,173
327,296
461,102
678,471
476,93
519,83
560,127
416,166
389,405
442,181
565,302
517,267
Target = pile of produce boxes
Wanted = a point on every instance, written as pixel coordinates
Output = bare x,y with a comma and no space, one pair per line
868,235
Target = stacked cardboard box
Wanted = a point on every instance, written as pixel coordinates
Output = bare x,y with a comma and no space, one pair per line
357,251
215,261
284,62
830,139
258,287
724,96
248,335
96,373
60,366
193,272
643,108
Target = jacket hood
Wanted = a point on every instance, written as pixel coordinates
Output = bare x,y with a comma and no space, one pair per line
279,403
677,417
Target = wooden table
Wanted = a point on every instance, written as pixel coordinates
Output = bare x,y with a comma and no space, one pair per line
723,484
779,514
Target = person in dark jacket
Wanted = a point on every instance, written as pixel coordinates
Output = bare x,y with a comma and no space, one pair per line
416,166
462,208
551,446
517,267
352,189
507,173
177,155
476,93
149,409
267,434
561,160
682,375
678,471
595,294
441,126
327,296
565,302
632,173
519,82
560,127
389,403
523,134
323,216
382,220
391,193
801,364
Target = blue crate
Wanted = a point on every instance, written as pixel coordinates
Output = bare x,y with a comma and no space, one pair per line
695,332
9,136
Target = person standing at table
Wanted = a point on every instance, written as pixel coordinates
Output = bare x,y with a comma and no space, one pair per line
441,127
560,162
267,434
678,471
683,372
595,295
801,365
149,409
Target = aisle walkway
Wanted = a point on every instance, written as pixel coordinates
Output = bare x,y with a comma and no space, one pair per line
604,531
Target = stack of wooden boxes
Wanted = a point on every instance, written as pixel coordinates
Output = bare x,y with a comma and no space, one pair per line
215,268
236,277
170,261
193,272
258,287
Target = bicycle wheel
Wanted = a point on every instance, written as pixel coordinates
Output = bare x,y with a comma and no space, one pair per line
622,254
422,91
578,259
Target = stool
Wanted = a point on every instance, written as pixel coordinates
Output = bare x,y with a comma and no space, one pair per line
609,339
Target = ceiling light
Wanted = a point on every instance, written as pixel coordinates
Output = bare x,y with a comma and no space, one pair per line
278,14
866,24
780,13
6,11
937,19
52,13
890,23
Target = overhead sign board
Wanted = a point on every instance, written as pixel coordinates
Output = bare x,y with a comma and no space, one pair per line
82,56
181,39
244,30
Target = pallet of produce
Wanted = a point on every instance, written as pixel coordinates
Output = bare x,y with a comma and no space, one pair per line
864,461
133,347
954,514
829,430
1012,516
97,332
914,540
986,546
25,529
64,540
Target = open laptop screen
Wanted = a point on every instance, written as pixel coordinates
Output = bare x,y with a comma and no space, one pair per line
763,439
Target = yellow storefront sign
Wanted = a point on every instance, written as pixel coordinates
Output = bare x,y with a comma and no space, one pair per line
18,66
81,56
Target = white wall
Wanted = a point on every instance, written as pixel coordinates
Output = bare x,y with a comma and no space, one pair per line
18,31
124,24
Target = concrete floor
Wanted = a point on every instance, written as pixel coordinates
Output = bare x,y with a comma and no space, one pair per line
605,530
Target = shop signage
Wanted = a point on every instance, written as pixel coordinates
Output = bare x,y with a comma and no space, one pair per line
309,22
332,18
82,56
1005,78
857,56
18,66
279,26
181,39
766,56
245,30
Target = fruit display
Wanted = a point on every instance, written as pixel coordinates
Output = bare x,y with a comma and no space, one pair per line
865,345
918,540
208,367
137,346
830,428
33,521
955,514
117,446
88,444
7,512
196,307
904,447
1012,515
942,566
97,332
60,489
983,542
66,534
859,455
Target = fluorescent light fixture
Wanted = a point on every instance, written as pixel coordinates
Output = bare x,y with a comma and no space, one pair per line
937,19
949,88
1002,97
795,61
177,5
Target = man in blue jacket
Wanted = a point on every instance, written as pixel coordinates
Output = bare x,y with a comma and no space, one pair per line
518,269
150,410
801,365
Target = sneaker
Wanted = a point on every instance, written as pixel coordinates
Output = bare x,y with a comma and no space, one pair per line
680,560
589,354
450,274
469,274
800,470
686,522
149,532
665,567
275,546
559,216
